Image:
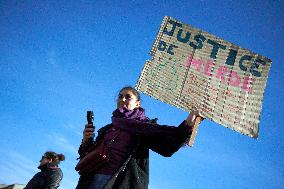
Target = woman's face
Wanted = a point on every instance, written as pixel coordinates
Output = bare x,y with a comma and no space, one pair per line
44,160
127,99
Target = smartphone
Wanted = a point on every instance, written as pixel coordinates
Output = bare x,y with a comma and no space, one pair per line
90,117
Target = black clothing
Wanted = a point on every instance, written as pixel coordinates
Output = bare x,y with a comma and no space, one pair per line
134,173
48,178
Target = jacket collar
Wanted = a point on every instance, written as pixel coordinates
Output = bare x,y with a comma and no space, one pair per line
53,165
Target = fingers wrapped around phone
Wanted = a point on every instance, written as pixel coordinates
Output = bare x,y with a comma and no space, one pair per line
88,133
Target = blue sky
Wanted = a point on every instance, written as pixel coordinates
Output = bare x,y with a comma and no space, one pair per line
61,58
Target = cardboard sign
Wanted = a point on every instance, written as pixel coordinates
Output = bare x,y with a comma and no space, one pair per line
194,70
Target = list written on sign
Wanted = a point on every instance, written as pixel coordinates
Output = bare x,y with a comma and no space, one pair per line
192,69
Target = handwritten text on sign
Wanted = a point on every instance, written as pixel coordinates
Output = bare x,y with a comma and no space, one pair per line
192,69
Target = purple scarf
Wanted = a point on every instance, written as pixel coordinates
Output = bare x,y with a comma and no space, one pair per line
133,121
136,114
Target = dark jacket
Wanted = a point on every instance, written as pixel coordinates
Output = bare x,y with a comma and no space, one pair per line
48,178
134,173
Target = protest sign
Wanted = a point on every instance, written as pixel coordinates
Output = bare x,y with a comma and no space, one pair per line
194,70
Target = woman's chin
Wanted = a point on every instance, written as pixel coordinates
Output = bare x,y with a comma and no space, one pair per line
123,106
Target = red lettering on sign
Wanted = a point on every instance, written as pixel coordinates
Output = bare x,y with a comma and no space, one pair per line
247,83
221,72
234,79
208,67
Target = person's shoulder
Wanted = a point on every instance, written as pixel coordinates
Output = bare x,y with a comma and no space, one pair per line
153,121
104,128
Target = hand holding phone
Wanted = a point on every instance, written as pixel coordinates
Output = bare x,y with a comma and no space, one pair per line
88,133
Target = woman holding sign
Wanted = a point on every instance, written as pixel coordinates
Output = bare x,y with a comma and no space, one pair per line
128,139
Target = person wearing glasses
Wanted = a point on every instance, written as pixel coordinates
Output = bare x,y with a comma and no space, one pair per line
131,135
50,174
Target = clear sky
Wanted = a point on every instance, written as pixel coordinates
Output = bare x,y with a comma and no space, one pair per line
59,59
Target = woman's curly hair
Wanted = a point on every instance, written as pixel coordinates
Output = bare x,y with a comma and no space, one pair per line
54,156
